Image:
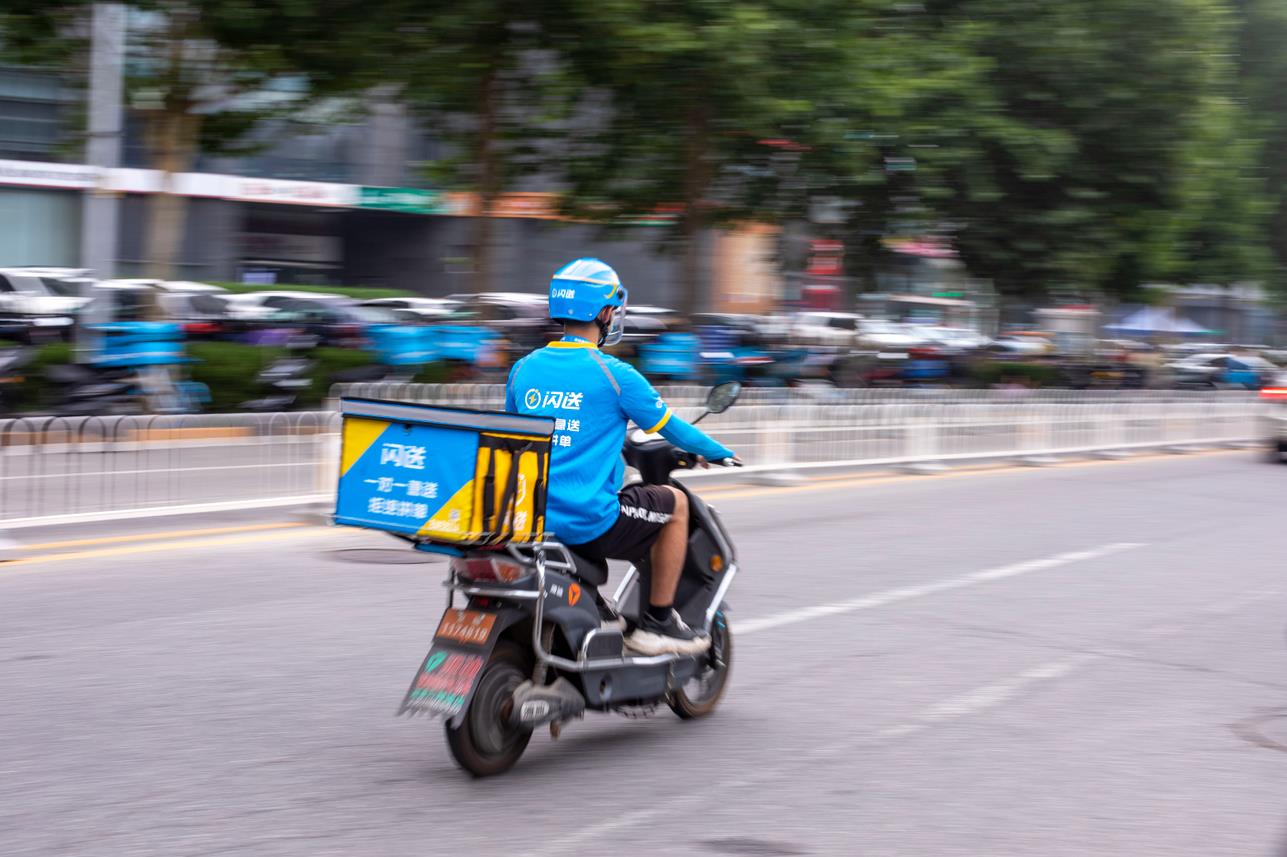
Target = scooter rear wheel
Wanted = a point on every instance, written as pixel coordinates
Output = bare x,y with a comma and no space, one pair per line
487,743
700,695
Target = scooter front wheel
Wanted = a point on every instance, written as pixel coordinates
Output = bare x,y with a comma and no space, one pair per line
701,694
487,743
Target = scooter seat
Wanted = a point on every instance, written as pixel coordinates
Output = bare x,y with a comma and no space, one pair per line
591,571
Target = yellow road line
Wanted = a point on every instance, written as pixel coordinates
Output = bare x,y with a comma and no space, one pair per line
158,546
164,534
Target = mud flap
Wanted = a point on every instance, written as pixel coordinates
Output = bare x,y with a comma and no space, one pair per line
448,675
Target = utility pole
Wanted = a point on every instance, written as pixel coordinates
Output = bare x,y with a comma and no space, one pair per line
101,214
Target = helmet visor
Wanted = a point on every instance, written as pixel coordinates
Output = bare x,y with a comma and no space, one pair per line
616,326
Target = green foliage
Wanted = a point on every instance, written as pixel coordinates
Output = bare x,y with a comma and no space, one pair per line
1066,154
32,392
1058,144
229,369
990,373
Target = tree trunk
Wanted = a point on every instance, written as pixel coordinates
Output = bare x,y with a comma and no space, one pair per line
172,133
173,153
489,179
692,285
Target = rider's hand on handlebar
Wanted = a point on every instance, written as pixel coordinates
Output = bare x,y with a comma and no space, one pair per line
735,461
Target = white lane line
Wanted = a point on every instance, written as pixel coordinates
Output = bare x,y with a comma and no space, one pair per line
972,702
995,695
906,593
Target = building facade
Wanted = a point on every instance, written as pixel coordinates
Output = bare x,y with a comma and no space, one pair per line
343,203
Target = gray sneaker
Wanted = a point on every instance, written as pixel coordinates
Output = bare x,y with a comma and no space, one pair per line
670,637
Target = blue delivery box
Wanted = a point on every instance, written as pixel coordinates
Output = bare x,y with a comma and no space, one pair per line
436,474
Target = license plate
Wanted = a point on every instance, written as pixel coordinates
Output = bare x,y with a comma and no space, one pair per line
472,627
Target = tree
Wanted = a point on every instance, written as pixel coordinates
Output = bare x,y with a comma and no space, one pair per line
202,73
1262,88
701,97
1063,158
481,74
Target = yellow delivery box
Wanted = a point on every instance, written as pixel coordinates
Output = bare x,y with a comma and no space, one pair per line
452,475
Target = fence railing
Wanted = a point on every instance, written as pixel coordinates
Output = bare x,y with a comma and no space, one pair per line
70,468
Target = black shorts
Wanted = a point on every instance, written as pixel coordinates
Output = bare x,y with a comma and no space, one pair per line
645,509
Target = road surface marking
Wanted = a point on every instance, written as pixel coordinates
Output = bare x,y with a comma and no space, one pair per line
995,695
18,566
164,534
906,593
972,702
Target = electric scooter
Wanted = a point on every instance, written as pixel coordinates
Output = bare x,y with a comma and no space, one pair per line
535,644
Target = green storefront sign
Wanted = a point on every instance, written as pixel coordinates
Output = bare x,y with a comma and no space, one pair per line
406,199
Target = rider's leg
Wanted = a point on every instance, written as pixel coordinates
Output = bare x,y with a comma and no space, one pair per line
660,628
668,556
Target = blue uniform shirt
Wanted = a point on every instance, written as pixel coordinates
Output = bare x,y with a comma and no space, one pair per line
592,397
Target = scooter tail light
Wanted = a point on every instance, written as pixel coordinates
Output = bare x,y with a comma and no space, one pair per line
1274,394
494,569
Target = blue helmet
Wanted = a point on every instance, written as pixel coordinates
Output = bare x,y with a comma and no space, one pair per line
581,289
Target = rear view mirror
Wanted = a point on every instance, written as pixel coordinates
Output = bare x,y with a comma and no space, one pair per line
722,397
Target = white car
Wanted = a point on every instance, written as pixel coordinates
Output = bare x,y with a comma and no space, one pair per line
423,308
253,306
1026,345
825,328
31,294
887,335
162,285
956,338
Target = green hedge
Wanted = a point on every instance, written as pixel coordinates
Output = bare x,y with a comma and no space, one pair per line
358,292
998,371
227,368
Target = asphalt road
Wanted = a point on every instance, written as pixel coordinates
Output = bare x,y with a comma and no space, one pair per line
1077,660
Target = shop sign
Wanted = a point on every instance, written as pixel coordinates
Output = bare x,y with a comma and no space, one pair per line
406,199
41,174
291,192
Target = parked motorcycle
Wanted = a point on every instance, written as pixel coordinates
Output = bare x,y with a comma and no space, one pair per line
535,643
283,380
79,390
13,364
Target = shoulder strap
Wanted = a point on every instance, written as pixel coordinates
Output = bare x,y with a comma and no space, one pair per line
606,371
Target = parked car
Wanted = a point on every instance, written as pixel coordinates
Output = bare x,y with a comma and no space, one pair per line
636,331
32,309
839,329
521,318
1022,345
886,335
257,306
1247,371
202,315
953,338
426,309
332,322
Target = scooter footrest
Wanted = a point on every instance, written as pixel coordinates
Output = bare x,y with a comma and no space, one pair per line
535,705
604,643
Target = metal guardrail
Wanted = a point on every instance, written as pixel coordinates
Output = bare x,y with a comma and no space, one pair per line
69,468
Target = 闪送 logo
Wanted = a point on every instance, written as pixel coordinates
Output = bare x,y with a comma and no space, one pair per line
533,398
